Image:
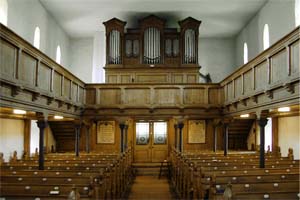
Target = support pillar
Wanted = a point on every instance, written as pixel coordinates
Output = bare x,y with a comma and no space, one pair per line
225,144
42,124
215,139
126,138
180,126
122,127
77,137
87,139
262,122
176,136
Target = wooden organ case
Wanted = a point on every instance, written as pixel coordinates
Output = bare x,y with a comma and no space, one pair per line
152,53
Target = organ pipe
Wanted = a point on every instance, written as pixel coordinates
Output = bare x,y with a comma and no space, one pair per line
151,46
190,46
114,47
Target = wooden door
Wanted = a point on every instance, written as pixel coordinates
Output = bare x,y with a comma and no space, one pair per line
151,141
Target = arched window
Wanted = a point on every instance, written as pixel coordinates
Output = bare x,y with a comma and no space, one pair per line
245,53
266,37
297,12
3,12
58,54
37,38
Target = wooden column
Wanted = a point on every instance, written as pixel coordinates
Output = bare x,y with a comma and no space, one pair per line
225,144
274,134
77,137
180,127
87,139
262,122
215,138
126,138
176,136
42,124
122,127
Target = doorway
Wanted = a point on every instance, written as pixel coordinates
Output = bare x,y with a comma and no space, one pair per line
151,141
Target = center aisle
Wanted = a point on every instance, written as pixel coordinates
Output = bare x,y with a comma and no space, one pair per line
150,187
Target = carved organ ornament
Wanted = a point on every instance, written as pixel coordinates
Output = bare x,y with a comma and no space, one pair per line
152,43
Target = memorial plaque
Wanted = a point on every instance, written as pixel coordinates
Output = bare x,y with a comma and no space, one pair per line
196,133
106,132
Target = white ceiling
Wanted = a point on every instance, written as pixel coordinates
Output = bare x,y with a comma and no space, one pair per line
220,18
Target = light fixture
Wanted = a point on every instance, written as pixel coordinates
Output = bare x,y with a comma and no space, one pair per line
284,109
58,117
244,116
19,112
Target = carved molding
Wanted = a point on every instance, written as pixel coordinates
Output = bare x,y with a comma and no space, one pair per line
289,87
269,94
15,90
35,96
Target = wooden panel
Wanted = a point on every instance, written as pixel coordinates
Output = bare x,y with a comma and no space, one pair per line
230,91
8,59
155,78
214,96
74,92
57,83
295,64
110,96
67,88
90,96
238,86
27,69
178,78
125,79
191,78
194,95
279,68
137,96
112,79
248,81
81,94
261,76
167,96
44,77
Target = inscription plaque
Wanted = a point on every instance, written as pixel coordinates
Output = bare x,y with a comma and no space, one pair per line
106,132
196,132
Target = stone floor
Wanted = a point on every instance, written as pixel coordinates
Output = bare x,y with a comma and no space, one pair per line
150,187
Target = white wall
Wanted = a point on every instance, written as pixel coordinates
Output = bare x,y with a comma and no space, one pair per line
81,54
25,15
34,136
216,57
279,14
11,137
289,135
99,57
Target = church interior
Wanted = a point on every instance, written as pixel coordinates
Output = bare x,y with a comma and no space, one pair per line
140,99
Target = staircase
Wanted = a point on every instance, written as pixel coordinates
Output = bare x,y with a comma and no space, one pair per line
64,134
238,132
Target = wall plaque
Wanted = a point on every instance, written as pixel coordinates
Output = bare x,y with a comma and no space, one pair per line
196,131
106,132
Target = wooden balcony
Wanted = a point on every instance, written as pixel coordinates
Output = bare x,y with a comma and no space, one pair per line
33,81
269,80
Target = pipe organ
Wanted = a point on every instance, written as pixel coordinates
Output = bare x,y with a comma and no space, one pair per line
152,53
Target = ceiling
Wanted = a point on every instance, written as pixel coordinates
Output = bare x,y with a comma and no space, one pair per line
220,18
